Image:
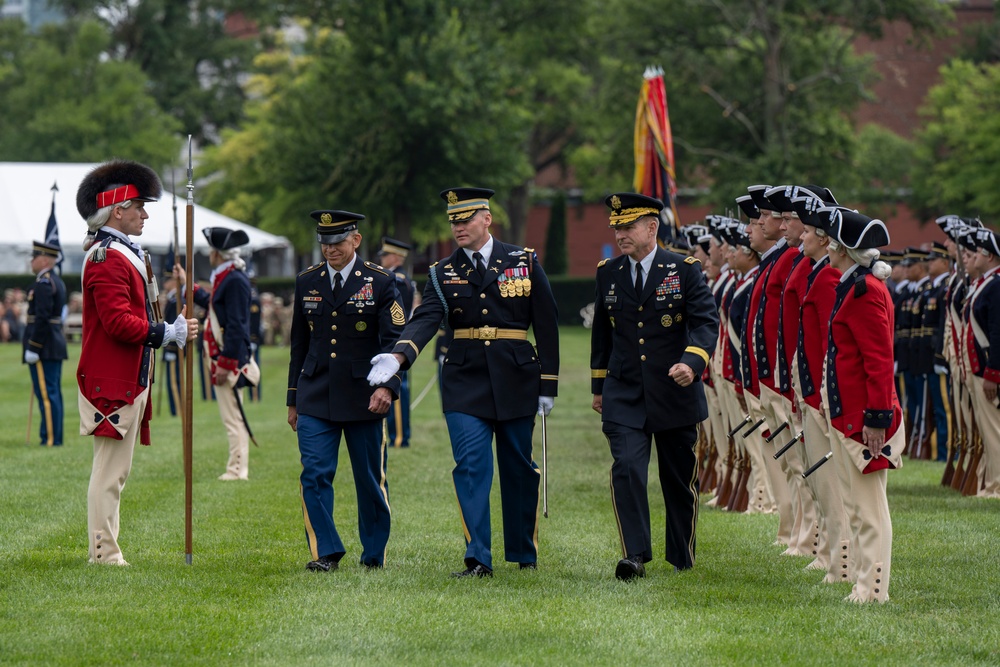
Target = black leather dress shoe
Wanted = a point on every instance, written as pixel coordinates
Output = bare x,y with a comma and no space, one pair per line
322,564
527,566
372,565
477,570
630,568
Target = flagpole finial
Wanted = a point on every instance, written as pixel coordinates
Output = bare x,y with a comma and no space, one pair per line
55,186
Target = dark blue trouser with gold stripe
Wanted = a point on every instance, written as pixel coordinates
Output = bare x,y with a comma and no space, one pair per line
319,448
172,376
472,447
50,400
939,388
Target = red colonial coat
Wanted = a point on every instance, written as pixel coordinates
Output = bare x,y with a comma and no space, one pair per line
815,324
115,363
860,384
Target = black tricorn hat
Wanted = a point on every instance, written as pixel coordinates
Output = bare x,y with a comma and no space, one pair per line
781,196
967,238
114,182
987,240
224,238
748,207
757,195
857,231
334,225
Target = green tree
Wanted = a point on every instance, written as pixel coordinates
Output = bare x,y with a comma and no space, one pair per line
193,65
376,117
556,260
757,90
959,147
62,100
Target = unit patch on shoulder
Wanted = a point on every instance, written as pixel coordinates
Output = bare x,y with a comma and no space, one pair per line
692,260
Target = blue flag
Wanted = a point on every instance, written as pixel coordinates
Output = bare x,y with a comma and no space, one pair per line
52,234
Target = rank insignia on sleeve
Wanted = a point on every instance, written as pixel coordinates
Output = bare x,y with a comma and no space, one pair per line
396,311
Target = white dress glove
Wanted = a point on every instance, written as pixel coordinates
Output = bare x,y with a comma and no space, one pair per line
384,366
940,370
545,404
30,357
176,332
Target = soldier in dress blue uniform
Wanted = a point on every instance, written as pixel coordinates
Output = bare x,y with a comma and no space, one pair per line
493,380
933,307
392,255
43,342
346,310
655,326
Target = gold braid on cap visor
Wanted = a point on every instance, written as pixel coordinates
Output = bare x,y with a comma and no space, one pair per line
630,215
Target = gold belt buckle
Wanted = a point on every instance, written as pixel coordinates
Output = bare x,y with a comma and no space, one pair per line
487,333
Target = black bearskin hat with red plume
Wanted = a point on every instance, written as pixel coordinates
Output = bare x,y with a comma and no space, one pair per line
114,182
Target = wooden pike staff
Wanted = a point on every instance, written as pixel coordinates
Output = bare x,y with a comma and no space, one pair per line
188,362
181,409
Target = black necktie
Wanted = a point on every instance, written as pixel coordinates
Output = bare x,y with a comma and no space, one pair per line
638,279
480,267
338,281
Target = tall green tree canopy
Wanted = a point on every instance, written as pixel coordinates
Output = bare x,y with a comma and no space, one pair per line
193,64
63,100
959,148
376,117
757,90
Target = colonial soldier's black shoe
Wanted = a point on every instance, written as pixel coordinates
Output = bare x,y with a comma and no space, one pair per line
322,564
477,570
527,566
630,568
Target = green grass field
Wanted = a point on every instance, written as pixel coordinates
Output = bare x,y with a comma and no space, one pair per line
247,598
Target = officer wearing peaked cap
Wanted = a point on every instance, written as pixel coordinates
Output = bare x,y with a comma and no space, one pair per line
655,327
226,341
392,255
43,340
493,380
860,397
932,305
918,362
346,310
120,333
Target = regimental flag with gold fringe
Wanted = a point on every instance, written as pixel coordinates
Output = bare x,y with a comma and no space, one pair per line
654,151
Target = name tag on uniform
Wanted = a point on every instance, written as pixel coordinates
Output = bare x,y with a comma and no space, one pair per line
310,305
454,282
610,299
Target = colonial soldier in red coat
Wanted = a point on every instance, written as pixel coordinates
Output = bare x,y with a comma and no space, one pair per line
120,333
860,394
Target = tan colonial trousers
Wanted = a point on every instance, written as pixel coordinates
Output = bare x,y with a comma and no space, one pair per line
112,464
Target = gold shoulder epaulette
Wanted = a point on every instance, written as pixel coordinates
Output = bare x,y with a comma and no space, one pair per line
435,264
603,262
692,260
529,250
375,267
311,268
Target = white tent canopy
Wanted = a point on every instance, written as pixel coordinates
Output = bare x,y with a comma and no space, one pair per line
26,200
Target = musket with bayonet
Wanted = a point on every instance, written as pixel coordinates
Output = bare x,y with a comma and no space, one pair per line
189,363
